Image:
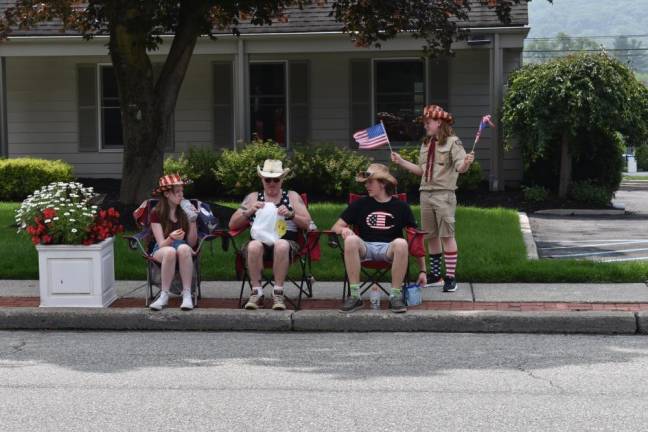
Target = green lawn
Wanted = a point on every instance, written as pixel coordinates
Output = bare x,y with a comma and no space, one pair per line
635,177
491,249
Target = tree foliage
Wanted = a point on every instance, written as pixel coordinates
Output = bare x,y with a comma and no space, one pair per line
591,101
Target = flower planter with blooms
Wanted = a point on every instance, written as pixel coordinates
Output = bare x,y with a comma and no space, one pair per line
75,245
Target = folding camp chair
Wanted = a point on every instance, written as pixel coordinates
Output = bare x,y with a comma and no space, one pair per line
374,271
309,251
144,242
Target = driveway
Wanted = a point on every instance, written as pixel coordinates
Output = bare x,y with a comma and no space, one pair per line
600,238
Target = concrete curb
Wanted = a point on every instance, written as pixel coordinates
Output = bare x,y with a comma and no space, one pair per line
323,321
143,319
527,235
580,212
468,322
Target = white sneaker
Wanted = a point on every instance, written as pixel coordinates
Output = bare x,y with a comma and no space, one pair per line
161,302
187,301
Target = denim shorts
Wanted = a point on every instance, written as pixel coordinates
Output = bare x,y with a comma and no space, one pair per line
376,251
175,245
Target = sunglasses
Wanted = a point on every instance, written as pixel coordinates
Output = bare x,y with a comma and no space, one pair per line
271,180
364,174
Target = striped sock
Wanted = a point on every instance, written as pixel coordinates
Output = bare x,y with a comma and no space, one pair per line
396,292
355,290
450,263
435,266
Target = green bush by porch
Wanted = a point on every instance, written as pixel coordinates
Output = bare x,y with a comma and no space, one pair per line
491,250
22,176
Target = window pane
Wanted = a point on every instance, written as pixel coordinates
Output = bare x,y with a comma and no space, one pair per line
268,101
400,96
111,126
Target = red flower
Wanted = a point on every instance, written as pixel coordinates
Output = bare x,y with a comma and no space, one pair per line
49,213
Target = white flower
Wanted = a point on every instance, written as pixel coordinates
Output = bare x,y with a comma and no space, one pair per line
74,230
48,220
66,214
56,218
72,220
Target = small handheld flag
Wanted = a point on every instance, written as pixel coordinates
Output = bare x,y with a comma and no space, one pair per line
372,137
485,123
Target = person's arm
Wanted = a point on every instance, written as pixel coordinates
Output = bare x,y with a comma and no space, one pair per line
248,207
422,276
409,166
159,235
342,228
462,161
299,213
192,235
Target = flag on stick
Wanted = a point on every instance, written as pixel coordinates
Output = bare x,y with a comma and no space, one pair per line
485,123
372,137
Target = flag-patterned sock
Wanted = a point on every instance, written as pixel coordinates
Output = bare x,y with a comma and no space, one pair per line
355,290
435,266
450,263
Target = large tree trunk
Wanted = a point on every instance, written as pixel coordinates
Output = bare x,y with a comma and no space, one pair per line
147,106
565,167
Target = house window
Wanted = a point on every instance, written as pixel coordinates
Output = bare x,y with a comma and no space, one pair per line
109,110
268,102
399,91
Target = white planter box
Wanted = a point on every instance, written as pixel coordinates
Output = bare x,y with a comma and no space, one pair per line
77,275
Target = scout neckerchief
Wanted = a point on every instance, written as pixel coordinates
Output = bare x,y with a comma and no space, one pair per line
429,166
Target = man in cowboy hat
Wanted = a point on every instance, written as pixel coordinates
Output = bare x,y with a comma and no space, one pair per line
441,159
379,219
293,215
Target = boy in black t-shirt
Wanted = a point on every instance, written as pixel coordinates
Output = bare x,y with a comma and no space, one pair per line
380,220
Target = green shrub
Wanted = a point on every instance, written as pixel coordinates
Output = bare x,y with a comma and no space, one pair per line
641,154
198,165
535,194
326,169
407,182
589,193
237,169
471,179
178,165
22,176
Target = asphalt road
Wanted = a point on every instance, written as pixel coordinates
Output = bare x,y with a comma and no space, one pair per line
600,238
86,381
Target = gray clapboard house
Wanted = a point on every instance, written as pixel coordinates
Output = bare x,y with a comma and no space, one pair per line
301,81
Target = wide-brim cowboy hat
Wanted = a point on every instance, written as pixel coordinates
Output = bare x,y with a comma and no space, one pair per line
167,182
435,112
376,171
272,168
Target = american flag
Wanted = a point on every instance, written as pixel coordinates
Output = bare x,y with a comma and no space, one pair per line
372,137
379,220
485,122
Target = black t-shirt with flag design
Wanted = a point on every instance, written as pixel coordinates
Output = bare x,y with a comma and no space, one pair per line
379,222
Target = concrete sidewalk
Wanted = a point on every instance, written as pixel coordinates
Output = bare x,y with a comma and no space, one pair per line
478,307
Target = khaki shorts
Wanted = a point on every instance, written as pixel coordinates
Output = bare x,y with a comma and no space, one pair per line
438,213
268,251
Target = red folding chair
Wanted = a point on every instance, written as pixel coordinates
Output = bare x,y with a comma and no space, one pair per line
309,251
143,241
374,271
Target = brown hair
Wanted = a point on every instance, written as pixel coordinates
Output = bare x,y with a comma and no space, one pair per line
445,131
390,189
163,210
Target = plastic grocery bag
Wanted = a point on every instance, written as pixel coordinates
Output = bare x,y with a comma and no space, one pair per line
264,227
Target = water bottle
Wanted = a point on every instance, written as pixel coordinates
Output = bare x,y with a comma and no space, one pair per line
189,210
374,297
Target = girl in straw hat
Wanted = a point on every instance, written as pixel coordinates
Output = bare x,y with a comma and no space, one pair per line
175,238
441,159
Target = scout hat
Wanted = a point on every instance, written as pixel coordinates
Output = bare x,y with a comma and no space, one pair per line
168,181
376,171
435,112
272,169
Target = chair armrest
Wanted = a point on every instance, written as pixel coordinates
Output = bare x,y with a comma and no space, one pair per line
136,241
202,240
333,239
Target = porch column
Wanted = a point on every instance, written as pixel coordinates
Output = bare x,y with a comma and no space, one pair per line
496,182
241,129
4,141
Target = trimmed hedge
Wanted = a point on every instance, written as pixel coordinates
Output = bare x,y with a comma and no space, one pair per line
22,176
641,154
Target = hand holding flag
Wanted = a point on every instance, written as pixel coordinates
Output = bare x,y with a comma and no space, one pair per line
485,122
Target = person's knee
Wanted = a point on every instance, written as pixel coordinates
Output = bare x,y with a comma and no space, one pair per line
352,243
399,245
168,254
184,251
255,248
281,248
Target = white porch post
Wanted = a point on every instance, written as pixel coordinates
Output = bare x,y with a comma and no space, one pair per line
241,129
4,140
496,82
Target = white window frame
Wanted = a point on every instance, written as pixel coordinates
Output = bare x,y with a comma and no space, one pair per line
100,147
287,91
426,85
